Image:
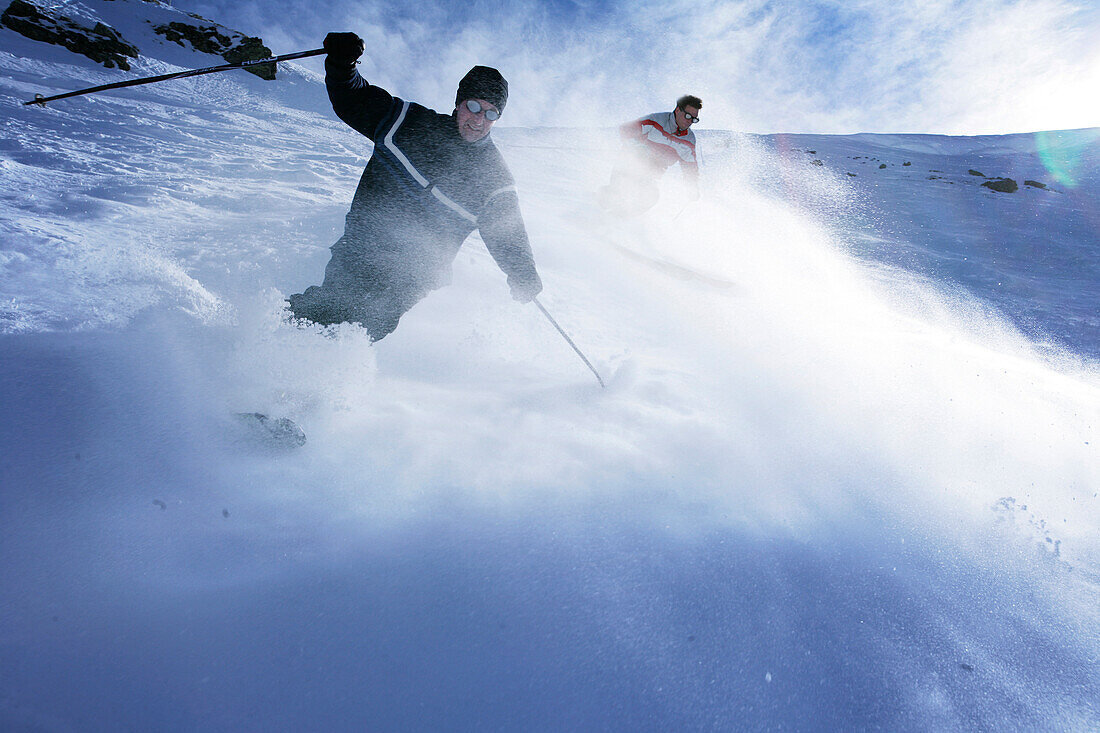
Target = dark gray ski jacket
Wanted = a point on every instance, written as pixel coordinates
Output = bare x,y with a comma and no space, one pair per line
424,190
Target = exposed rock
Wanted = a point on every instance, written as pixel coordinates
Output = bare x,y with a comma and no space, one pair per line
1003,185
816,162
234,48
1035,184
907,163
205,39
101,44
853,175
883,165
976,173
252,49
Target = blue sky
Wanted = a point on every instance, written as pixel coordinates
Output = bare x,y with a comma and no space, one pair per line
829,66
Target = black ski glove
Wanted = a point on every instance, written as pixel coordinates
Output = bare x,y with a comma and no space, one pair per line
525,291
344,48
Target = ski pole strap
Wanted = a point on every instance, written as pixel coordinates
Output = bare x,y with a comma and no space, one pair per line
569,341
40,100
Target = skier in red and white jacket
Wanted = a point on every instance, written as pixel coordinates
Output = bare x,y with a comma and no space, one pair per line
655,143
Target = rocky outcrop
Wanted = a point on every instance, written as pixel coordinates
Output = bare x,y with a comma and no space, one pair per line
1003,185
1035,184
234,48
204,39
101,43
252,49
976,173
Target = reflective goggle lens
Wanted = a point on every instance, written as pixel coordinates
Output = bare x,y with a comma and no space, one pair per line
490,114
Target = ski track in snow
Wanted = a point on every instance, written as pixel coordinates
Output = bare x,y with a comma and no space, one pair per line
832,478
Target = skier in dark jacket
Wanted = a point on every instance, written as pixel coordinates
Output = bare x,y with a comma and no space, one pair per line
431,180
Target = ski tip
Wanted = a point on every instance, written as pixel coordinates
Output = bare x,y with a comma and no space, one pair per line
279,433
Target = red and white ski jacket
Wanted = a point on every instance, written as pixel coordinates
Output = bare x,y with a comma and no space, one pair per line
663,144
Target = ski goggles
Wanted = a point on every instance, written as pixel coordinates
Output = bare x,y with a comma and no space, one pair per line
690,119
474,106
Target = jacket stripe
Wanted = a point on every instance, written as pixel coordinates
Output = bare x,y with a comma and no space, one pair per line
447,201
499,191
416,175
667,136
388,142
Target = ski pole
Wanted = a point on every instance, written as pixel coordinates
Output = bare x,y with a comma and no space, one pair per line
40,100
569,341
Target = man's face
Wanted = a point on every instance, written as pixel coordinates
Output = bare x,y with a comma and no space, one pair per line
682,116
473,126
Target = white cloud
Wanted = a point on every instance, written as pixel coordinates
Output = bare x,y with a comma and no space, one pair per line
953,66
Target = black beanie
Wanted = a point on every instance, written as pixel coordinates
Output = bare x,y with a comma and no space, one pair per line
483,82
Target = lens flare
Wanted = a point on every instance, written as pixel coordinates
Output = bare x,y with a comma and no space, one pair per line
1065,153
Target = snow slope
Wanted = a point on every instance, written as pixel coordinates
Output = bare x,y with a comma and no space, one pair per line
844,475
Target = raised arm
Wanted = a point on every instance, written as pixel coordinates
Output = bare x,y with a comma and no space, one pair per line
359,104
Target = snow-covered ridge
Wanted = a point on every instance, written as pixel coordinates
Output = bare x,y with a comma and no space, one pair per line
100,43
93,159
